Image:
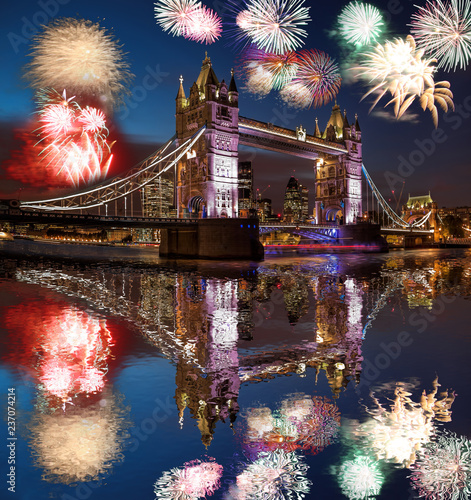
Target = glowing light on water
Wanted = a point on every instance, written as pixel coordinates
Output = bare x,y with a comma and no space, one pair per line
360,478
300,423
274,25
195,480
443,468
81,444
443,29
395,434
401,70
360,23
274,475
80,56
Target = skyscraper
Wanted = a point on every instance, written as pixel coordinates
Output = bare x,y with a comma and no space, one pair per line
246,200
157,197
293,207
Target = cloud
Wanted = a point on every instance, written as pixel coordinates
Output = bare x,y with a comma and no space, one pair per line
389,116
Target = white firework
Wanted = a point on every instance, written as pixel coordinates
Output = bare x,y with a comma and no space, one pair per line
444,31
274,25
175,16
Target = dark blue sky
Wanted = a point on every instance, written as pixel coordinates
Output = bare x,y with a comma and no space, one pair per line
406,150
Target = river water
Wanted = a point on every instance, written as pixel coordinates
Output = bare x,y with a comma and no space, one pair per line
323,377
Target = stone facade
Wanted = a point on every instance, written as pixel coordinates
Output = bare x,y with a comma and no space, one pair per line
207,179
338,177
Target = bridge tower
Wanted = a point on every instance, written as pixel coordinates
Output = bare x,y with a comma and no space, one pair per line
338,178
207,179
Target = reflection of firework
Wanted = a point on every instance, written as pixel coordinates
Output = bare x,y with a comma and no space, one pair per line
73,139
74,346
443,468
319,75
396,434
80,56
273,476
197,479
274,25
301,423
398,68
80,444
444,30
360,23
360,478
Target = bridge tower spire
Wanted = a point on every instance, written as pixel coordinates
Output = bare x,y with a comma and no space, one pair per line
338,178
207,184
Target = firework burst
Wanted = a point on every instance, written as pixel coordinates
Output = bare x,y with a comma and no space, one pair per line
188,18
360,478
195,480
175,16
205,26
360,23
73,139
443,468
80,56
444,31
274,25
319,74
282,68
400,69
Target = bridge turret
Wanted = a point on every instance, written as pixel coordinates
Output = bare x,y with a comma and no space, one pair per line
208,179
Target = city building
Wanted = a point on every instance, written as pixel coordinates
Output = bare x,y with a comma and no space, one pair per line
246,199
264,209
296,203
157,197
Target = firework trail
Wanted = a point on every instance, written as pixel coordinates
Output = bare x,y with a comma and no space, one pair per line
443,469
444,31
82,57
360,23
188,18
73,139
400,69
273,25
195,480
360,478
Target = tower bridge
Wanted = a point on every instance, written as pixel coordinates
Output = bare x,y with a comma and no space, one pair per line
203,155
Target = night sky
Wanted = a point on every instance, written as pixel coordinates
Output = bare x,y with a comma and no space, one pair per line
157,60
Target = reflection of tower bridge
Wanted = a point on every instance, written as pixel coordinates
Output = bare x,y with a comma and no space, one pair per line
196,322
204,158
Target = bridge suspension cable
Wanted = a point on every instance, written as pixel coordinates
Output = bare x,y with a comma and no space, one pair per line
121,186
384,204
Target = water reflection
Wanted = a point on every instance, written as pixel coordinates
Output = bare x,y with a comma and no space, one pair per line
396,430
360,478
301,423
223,329
197,479
78,427
216,326
443,468
274,475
